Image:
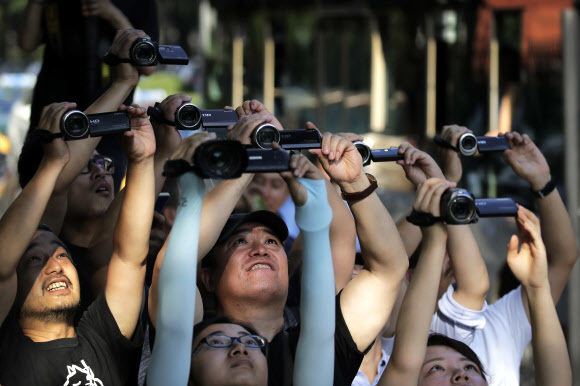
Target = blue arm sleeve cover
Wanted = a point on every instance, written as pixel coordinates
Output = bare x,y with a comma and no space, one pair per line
171,357
314,364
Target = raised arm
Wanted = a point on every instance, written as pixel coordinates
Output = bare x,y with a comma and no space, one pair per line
529,265
126,275
420,300
470,270
20,221
30,34
314,362
367,300
107,11
529,163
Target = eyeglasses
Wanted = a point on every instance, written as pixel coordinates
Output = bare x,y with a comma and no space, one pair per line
105,163
224,341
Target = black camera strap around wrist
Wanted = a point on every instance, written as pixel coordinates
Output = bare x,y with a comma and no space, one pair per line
114,60
41,136
445,144
422,219
177,167
157,115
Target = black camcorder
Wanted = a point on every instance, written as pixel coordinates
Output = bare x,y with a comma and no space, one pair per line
377,155
469,144
265,134
458,206
267,160
75,124
145,52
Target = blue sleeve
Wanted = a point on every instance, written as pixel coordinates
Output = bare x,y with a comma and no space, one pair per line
171,357
314,363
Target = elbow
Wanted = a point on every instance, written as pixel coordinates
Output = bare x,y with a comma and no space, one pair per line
27,45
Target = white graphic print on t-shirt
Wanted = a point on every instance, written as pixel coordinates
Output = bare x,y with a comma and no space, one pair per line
77,375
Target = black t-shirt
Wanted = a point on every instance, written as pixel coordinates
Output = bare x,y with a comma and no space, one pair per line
282,350
78,256
98,352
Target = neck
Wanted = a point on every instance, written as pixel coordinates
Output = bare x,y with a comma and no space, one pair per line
267,318
371,361
41,331
79,231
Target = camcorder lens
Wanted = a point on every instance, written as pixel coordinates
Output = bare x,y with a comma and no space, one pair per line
221,159
144,53
469,143
365,152
75,124
188,116
265,134
462,209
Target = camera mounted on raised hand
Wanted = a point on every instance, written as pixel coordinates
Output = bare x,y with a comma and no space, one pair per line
458,206
468,144
377,155
144,52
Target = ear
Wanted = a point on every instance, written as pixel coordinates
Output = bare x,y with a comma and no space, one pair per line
207,280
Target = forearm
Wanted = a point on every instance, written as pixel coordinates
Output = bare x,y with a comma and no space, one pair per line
551,361
470,270
342,238
30,32
315,351
218,204
418,305
131,237
410,234
21,219
176,296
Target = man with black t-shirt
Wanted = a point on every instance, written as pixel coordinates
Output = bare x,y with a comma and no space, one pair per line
39,285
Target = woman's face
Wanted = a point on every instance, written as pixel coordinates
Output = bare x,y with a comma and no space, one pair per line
227,366
445,366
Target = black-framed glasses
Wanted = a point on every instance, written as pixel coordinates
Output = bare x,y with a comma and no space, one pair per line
105,163
225,341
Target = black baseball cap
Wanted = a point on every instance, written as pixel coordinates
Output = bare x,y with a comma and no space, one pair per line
265,217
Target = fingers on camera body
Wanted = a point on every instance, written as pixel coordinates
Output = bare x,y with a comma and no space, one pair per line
451,133
333,146
123,41
517,139
52,114
170,105
188,145
242,130
428,196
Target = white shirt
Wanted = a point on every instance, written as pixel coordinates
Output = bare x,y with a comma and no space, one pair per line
386,351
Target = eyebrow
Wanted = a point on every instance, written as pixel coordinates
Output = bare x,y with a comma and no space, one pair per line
433,360
246,231
57,242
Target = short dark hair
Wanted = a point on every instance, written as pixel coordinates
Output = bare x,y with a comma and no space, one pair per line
460,347
199,327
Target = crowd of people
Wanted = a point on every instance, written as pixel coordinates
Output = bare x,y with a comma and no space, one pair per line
216,289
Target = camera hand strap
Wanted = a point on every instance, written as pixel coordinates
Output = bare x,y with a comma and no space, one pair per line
157,115
445,143
114,60
43,136
422,219
178,167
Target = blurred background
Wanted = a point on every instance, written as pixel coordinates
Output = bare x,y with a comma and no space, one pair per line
390,70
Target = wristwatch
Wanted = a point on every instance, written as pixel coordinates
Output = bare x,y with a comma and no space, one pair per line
357,196
550,186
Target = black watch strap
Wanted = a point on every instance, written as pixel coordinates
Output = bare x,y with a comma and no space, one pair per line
549,188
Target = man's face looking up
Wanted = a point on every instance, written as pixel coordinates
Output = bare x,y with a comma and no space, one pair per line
250,264
48,284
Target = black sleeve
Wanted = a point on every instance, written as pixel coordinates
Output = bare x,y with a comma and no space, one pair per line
142,14
347,357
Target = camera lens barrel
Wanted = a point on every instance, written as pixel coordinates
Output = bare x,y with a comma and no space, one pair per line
143,52
458,207
264,135
468,144
188,117
364,150
74,124
220,159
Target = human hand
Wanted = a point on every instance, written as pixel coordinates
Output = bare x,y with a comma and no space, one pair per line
450,160
418,165
139,142
242,130
351,136
56,151
99,8
167,136
256,107
530,264
125,72
300,167
341,161
527,160
428,200
187,147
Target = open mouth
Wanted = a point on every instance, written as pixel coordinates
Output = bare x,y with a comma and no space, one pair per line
260,265
56,286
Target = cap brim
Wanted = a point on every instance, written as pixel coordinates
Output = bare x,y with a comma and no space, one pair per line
265,217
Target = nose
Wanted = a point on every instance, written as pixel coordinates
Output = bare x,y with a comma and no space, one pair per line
53,266
460,375
97,171
238,349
